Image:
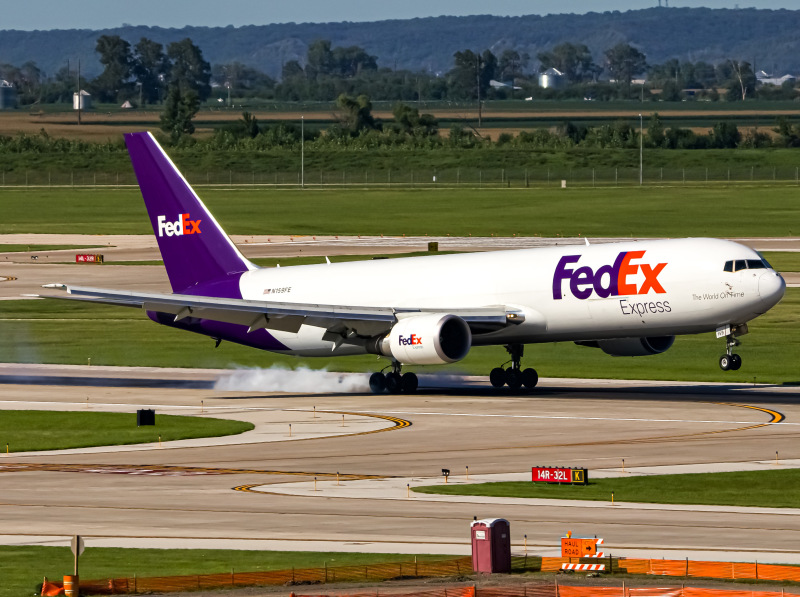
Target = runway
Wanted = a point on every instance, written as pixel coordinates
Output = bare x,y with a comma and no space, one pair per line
259,490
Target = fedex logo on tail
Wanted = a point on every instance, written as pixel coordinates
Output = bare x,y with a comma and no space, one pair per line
412,340
608,280
183,225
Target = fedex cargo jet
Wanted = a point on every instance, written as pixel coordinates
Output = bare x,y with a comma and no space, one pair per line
626,299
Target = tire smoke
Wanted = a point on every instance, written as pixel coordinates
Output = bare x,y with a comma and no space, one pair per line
302,379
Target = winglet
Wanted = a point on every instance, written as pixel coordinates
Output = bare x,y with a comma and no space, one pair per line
194,247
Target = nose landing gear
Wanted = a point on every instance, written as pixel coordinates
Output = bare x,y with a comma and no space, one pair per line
514,377
731,361
393,382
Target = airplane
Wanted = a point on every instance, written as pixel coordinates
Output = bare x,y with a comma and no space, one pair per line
625,298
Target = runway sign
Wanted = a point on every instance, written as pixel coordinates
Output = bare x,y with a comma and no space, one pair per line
573,476
88,259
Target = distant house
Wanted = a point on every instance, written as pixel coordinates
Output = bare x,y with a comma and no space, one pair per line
552,78
8,96
763,78
82,100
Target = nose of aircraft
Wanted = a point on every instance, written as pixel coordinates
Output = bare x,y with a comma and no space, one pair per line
771,288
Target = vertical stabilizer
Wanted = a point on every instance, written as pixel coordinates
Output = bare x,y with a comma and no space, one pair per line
193,246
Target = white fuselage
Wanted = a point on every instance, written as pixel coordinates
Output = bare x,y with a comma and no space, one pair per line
566,293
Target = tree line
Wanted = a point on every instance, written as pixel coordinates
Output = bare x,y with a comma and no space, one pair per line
145,72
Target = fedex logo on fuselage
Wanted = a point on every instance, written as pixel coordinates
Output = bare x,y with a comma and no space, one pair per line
608,280
412,340
183,225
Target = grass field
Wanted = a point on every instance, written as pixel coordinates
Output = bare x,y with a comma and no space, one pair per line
108,120
783,262
770,489
66,332
719,211
10,248
24,567
28,430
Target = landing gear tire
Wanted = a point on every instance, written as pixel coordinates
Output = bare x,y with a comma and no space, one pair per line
497,377
393,383
513,378
725,362
377,383
529,378
409,383
736,362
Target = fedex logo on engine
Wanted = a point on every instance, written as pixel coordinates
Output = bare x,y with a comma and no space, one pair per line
609,280
412,340
180,227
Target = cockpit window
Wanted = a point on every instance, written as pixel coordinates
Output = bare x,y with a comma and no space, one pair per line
740,264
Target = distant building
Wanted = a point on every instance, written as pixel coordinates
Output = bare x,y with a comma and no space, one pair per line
82,100
8,96
500,85
764,79
552,78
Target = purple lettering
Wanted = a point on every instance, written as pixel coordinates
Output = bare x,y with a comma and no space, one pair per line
562,273
582,277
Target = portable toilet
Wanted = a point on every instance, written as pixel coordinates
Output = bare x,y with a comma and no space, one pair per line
491,545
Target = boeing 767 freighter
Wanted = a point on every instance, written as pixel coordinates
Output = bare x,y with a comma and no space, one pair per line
627,298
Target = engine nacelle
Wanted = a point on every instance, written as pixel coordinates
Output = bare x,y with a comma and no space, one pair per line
430,339
633,347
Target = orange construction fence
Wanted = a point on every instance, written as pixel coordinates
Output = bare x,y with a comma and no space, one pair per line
194,582
555,590
443,568
725,570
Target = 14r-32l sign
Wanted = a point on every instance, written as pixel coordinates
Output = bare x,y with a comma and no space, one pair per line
550,474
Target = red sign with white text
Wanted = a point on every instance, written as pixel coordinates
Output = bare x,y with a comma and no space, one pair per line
547,474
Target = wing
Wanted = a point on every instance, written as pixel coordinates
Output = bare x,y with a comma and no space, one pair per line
337,320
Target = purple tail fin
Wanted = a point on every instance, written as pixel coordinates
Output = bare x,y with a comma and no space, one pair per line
193,246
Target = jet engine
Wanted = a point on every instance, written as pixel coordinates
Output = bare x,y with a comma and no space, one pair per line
632,347
429,339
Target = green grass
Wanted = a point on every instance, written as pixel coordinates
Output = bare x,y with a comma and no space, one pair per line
551,212
769,489
71,332
25,566
28,430
783,261
10,248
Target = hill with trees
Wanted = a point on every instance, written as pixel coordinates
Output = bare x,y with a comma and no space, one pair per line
766,39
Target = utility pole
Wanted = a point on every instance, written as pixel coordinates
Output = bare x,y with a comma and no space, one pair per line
641,150
302,152
478,78
80,97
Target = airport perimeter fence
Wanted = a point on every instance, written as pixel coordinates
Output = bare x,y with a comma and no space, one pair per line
405,179
448,568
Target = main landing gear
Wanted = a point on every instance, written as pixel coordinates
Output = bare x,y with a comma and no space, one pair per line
393,382
514,377
730,361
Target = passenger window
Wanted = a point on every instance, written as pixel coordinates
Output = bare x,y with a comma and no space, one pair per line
755,264
739,265
728,266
